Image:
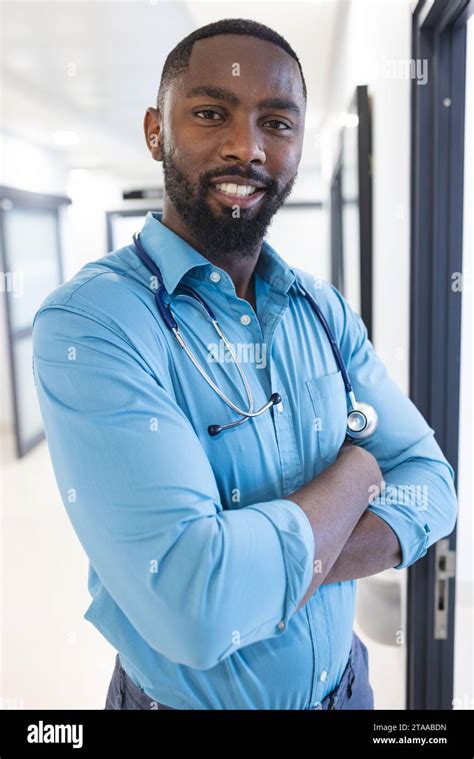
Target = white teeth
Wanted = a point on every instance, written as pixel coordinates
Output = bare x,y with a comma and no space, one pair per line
236,189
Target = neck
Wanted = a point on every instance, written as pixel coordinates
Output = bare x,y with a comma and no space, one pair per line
240,269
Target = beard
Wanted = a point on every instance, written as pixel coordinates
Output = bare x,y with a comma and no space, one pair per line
219,234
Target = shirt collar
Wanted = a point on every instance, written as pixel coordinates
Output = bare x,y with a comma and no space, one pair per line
175,257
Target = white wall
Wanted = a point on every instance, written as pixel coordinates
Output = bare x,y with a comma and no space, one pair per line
300,235
371,36
29,167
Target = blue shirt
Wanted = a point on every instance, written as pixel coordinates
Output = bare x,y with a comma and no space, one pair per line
198,561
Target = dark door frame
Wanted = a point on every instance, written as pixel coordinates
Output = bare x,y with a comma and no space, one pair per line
337,260
437,160
361,106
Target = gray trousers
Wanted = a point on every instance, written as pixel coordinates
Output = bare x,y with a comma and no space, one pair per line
353,692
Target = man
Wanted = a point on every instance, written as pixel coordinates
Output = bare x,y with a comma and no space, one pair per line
223,568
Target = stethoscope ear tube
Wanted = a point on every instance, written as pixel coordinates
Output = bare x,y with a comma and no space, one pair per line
165,310
362,418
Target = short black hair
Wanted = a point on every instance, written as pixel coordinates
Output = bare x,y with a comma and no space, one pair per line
178,59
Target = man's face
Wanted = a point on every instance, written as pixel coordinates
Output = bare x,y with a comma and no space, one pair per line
235,116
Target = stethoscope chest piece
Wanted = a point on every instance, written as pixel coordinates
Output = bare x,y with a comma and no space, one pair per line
362,421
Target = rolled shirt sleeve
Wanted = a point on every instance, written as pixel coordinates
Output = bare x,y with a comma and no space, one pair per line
419,500
196,581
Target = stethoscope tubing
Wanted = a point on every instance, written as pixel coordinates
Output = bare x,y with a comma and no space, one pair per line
171,323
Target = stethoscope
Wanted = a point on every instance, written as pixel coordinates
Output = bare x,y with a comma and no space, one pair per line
362,418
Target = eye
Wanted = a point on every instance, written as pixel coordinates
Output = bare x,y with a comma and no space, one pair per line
281,125
206,117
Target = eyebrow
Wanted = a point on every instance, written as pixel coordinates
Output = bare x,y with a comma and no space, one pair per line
220,93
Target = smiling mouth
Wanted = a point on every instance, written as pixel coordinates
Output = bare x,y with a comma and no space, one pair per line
232,194
230,188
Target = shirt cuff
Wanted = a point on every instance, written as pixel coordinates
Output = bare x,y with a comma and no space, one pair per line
297,542
412,534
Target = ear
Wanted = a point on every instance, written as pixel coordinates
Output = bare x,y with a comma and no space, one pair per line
152,129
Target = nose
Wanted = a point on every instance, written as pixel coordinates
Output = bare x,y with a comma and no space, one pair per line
242,143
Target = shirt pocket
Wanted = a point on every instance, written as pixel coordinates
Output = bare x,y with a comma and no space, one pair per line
329,400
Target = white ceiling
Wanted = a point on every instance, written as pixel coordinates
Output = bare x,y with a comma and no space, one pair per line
94,67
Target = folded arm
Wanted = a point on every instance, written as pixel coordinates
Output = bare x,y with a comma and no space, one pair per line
195,581
415,503
371,548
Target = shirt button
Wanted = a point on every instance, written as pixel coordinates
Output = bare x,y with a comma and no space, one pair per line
281,625
245,319
215,276
323,675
